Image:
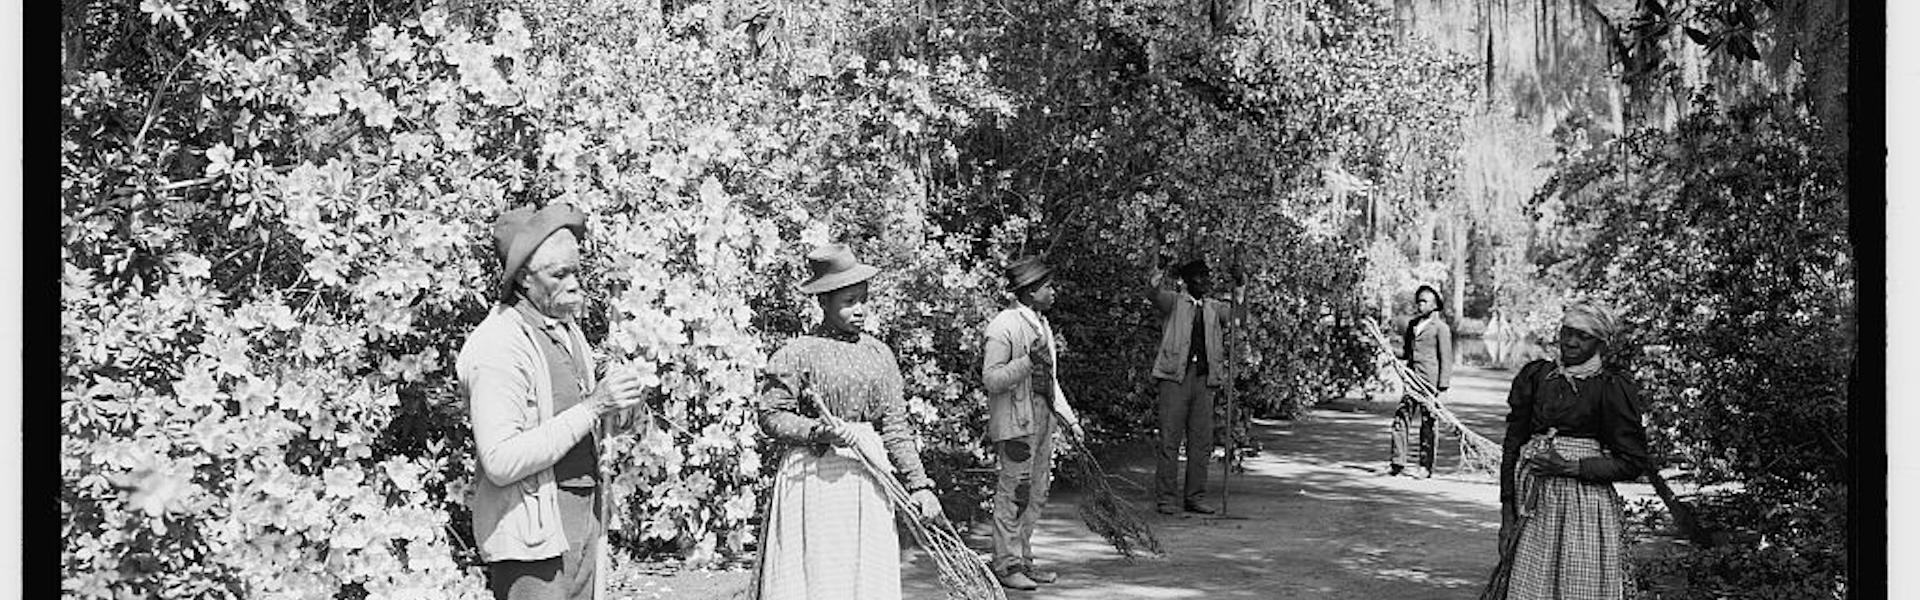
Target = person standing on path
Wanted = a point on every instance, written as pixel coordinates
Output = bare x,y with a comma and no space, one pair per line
527,375
829,531
1190,365
1017,368
1427,346
1573,430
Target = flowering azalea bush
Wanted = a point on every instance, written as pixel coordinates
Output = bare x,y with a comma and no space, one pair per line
264,284
274,241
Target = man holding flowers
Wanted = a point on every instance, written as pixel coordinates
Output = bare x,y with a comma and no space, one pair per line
537,411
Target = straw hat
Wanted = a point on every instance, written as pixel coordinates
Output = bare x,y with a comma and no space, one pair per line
834,267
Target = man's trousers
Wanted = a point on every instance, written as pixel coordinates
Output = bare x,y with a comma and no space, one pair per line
1026,472
1186,415
1403,422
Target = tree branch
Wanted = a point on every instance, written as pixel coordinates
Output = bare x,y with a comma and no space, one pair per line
153,106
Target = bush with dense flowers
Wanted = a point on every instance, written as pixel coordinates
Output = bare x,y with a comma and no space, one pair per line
274,240
264,285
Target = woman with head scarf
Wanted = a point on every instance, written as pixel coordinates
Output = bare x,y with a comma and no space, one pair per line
829,531
1574,429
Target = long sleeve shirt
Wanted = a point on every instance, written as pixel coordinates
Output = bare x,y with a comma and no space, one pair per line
518,436
855,379
1428,349
1606,408
1191,326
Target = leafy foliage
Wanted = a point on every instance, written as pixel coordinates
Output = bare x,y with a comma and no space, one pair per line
1142,139
1725,242
265,282
274,241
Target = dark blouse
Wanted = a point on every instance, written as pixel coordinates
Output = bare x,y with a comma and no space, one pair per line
857,378
1606,409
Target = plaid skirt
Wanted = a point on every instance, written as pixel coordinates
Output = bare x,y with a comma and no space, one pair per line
829,532
1569,541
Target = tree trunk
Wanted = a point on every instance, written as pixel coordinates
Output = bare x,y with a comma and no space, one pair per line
1457,260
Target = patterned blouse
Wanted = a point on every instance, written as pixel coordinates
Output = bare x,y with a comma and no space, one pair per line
858,379
1605,408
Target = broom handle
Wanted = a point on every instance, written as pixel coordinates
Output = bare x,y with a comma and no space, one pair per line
1226,467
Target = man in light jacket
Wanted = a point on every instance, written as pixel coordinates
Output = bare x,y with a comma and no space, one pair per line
537,413
1190,365
1022,397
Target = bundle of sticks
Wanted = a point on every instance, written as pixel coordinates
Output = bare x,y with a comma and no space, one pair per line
964,574
1477,453
1104,511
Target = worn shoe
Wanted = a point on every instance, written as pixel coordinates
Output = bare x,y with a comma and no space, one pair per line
1201,509
1424,473
1017,580
1395,469
1043,577
1167,509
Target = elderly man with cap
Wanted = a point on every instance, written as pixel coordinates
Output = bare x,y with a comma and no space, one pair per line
1573,430
1023,396
1189,366
537,410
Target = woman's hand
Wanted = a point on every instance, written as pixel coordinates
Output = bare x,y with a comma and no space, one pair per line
834,432
929,506
1552,463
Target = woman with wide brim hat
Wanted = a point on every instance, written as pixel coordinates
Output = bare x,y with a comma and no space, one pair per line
829,531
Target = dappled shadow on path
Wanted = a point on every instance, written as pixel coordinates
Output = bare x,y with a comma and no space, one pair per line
1312,517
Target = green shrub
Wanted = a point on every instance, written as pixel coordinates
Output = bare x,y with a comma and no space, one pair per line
1724,242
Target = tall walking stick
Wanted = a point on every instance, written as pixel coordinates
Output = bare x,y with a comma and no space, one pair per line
1233,453
1232,389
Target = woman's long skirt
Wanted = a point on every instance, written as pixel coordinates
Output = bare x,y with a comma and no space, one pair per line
829,532
1569,543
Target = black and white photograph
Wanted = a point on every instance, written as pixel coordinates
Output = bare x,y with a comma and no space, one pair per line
965,300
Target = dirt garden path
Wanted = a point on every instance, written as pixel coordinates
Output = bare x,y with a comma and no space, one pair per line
1319,520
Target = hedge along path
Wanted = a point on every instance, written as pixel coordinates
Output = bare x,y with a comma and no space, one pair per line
1477,453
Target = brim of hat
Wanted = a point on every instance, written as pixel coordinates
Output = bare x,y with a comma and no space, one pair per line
839,280
1030,279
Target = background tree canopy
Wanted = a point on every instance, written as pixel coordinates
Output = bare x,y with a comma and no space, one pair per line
274,239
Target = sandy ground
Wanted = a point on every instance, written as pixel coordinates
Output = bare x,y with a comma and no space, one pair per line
1313,516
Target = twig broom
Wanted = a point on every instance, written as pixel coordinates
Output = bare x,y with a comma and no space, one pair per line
1477,453
962,572
1104,511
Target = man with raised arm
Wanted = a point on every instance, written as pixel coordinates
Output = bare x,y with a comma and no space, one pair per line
1190,366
